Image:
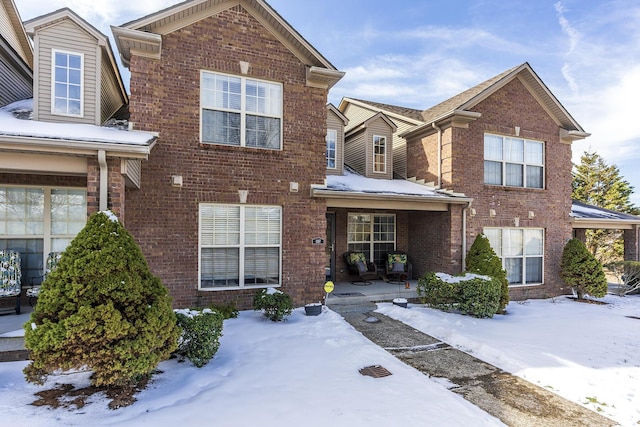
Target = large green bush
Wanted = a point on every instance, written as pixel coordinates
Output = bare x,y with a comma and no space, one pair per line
274,304
200,337
471,294
101,309
482,259
582,271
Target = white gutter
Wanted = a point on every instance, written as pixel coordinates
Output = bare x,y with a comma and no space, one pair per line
69,146
439,129
332,194
104,174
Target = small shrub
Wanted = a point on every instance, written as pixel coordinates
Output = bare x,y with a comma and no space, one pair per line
582,271
482,260
228,311
275,305
471,294
201,332
435,293
628,275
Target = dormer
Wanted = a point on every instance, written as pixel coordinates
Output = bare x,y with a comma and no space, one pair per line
77,78
336,121
368,147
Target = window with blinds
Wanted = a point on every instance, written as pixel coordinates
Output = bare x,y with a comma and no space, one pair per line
240,246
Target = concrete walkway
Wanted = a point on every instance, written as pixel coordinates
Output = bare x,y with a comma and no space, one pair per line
511,399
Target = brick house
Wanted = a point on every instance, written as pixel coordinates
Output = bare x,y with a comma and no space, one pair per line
505,145
238,98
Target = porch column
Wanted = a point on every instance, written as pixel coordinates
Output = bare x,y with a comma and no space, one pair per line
580,234
114,184
631,244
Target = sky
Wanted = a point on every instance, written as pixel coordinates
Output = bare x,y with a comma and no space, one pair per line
305,371
419,53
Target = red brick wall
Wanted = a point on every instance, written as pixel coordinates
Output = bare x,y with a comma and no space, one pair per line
511,106
165,97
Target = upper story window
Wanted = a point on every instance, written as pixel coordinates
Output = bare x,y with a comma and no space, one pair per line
331,139
240,111
379,154
67,83
513,162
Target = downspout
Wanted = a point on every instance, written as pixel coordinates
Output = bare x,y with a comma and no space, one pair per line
439,154
104,185
464,235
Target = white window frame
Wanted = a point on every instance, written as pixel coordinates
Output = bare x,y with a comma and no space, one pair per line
331,140
503,159
379,141
372,238
54,52
499,250
47,233
242,111
241,245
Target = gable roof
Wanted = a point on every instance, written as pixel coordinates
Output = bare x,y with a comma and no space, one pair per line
19,42
338,113
33,25
362,126
463,103
391,110
144,34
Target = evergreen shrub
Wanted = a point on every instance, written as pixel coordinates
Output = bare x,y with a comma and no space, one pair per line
582,271
101,309
228,311
274,304
482,260
471,294
200,337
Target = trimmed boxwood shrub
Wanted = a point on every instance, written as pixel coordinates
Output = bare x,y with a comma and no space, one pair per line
101,309
275,304
200,337
482,260
471,294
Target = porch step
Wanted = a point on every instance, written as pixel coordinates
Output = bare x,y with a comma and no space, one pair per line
12,349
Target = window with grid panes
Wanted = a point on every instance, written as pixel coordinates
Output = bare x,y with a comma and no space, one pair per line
379,154
331,139
372,234
240,111
67,83
240,246
513,162
521,251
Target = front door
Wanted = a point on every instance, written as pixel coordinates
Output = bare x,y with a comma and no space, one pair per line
330,248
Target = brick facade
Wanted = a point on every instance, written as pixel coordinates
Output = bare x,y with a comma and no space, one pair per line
165,97
463,171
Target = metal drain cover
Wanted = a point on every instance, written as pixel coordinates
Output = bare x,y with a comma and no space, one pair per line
375,371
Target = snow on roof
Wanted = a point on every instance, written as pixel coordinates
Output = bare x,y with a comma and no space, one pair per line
353,182
10,125
581,210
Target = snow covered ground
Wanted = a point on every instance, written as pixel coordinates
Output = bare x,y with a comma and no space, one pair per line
305,371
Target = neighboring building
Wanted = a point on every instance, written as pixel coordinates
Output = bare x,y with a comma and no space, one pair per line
505,144
16,56
58,162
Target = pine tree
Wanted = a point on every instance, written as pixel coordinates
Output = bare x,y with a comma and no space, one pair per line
582,271
101,309
598,184
482,259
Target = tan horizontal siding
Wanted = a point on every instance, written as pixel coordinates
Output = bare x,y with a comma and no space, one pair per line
13,86
355,152
380,128
7,30
357,115
66,36
110,97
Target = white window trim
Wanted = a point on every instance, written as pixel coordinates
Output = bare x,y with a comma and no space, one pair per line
47,234
242,111
53,82
524,164
372,242
524,256
335,148
240,246
384,164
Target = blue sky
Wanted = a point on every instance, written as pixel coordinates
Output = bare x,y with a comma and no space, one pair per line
418,53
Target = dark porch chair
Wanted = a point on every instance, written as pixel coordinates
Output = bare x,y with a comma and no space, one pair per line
398,268
35,282
357,263
10,276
